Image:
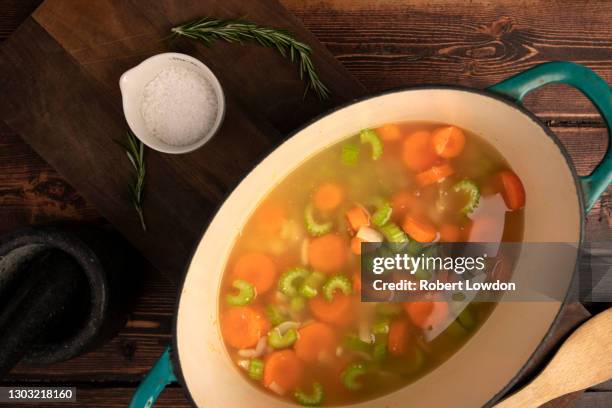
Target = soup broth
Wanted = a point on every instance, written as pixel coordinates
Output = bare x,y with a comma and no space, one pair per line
290,309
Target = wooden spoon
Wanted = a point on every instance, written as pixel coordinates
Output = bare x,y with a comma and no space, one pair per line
584,360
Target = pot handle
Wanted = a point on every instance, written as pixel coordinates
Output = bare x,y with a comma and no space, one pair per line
154,383
593,87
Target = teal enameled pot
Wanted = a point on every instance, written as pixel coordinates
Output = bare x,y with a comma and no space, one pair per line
494,358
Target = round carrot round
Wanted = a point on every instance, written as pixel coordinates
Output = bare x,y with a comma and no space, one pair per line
357,217
327,253
448,141
418,152
328,197
426,314
243,326
389,133
401,203
337,311
513,191
356,245
316,340
419,229
450,233
283,369
258,269
434,174
398,337
270,218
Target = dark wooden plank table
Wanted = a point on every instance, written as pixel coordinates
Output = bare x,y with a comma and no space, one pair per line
384,44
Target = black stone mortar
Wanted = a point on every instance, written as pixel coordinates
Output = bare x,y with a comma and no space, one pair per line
92,291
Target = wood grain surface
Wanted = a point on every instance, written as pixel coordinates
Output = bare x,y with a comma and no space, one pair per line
137,29
63,70
582,361
383,44
67,103
389,43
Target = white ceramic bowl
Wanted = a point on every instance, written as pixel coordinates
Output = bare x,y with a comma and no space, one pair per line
133,82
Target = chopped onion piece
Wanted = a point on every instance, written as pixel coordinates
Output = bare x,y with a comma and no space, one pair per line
283,327
254,352
365,334
368,234
281,297
246,353
244,364
276,388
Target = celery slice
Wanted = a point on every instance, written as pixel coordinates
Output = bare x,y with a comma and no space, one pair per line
371,137
350,154
350,376
469,188
256,368
310,400
393,233
277,340
314,227
246,293
290,280
337,282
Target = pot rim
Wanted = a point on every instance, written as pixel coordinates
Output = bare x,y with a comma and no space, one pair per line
174,358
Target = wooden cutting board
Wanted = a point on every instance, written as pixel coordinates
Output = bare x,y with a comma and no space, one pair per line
60,93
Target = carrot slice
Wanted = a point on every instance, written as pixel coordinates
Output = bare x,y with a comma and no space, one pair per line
512,190
448,141
418,152
282,371
356,245
450,233
328,197
337,311
357,217
316,341
270,218
258,269
327,253
398,337
401,202
419,229
434,174
427,314
389,133
243,326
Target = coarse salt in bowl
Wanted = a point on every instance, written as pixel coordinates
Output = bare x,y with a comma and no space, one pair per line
172,102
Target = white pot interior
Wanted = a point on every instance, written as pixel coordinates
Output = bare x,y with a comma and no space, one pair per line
494,355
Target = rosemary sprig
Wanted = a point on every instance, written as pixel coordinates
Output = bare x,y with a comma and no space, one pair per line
208,30
134,149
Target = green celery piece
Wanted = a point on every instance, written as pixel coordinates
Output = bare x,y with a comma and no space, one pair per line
310,400
370,137
246,293
350,154
314,227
